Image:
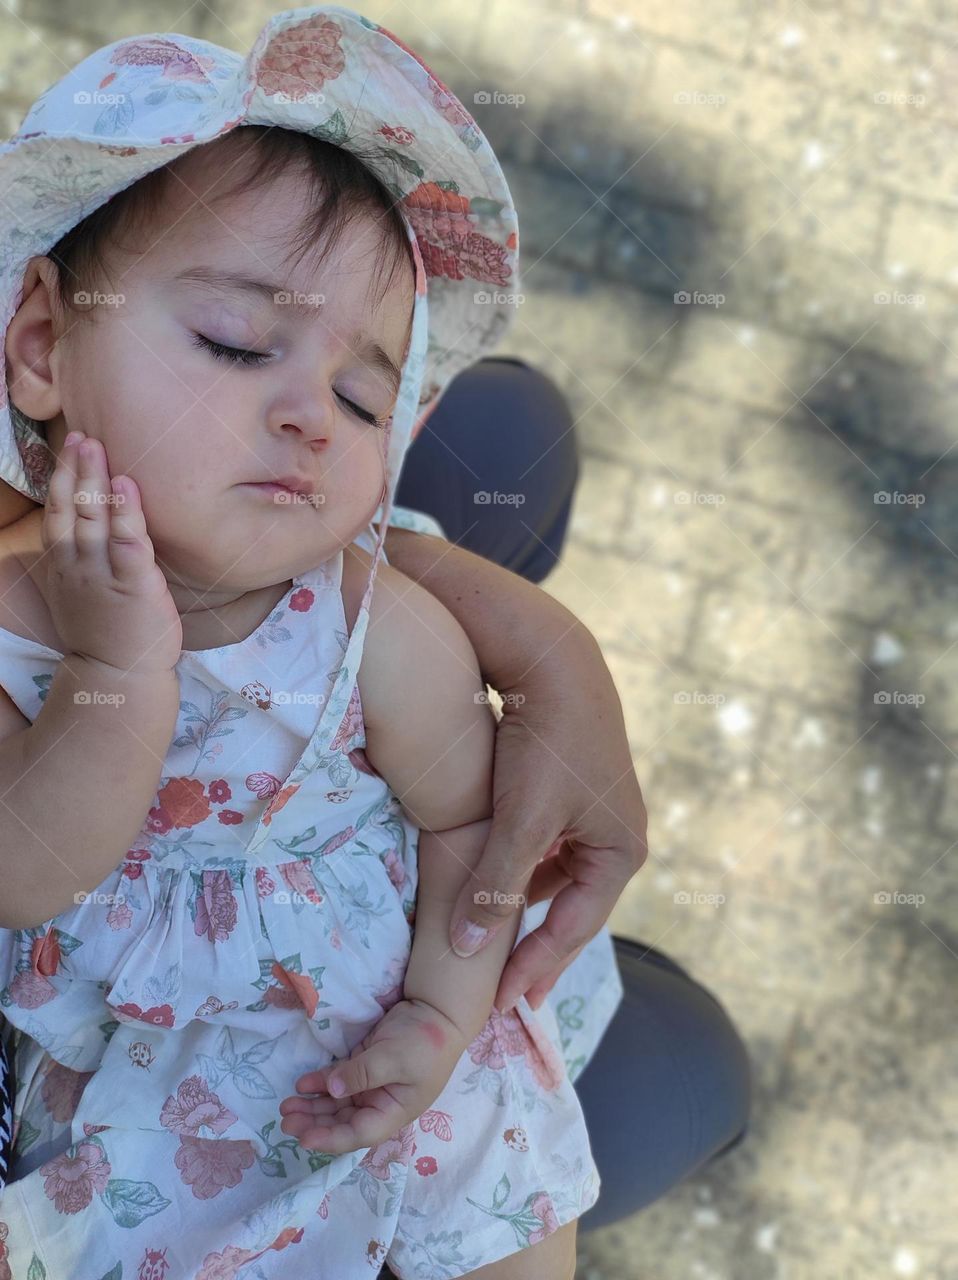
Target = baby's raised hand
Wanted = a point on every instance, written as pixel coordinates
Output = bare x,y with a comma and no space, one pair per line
389,1079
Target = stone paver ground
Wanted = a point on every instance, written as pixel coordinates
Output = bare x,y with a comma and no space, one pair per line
740,263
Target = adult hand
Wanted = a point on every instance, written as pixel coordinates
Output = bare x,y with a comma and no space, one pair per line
569,822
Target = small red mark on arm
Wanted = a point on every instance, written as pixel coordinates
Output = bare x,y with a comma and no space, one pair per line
435,1035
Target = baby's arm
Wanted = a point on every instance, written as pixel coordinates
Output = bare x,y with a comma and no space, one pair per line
430,733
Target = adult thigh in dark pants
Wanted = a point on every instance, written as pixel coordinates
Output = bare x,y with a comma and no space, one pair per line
669,1086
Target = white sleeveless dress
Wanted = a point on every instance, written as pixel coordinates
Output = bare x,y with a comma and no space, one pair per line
257,929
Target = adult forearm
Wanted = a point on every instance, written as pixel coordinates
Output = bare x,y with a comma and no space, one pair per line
77,785
515,626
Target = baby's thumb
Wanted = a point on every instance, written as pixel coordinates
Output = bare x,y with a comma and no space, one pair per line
368,1070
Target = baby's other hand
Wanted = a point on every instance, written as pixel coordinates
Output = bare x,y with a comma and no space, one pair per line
389,1079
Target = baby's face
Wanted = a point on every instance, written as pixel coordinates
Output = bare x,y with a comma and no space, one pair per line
193,428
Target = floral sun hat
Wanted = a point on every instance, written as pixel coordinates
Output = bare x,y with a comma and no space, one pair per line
140,102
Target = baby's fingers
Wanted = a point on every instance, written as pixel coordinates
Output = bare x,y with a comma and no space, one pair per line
131,551
365,1127
370,1069
58,529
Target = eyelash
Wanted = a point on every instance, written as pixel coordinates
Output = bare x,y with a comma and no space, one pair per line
253,360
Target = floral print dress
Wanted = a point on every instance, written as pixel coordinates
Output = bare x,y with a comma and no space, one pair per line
257,928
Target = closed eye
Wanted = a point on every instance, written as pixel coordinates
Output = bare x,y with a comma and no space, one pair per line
254,359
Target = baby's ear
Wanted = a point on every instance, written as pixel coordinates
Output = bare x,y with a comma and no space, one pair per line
29,346
13,504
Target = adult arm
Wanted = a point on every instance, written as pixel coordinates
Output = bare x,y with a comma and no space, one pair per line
567,805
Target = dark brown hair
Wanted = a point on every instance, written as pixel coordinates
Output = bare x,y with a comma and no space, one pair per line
341,186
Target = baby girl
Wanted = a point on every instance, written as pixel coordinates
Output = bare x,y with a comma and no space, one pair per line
232,851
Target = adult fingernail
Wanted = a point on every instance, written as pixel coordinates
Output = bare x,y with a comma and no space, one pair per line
468,937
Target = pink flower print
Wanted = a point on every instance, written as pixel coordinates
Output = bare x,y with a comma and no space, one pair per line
70,1181
226,1265
194,1108
45,954
278,802
176,63
302,58
298,877
184,801
395,869
398,133
351,724
301,987
158,821
209,1165
335,940
302,600
220,791
216,910
62,1089
30,990
230,817
395,1150
265,884
450,244
338,840
120,916
426,1165
542,1208
323,1209
263,785
158,1015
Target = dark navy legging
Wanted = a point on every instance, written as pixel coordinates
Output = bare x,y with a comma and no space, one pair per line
669,1086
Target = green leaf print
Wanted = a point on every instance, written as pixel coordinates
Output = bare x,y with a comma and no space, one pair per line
229,1065
132,1202
36,1269
501,1193
115,1273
